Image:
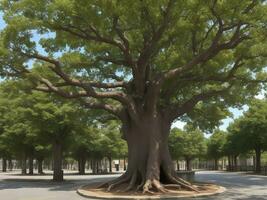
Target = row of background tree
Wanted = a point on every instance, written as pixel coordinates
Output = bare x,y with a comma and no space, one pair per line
245,137
36,125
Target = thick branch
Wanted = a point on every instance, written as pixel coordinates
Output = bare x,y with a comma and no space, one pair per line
214,48
149,46
178,109
102,106
87,86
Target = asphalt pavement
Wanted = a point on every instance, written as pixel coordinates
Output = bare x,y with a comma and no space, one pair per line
16,187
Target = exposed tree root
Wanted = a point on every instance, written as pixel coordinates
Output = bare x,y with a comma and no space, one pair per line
183,183
118,183
132,183
150,186
136,181
173,186
108,183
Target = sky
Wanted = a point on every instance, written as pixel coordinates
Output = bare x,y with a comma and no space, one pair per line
236,112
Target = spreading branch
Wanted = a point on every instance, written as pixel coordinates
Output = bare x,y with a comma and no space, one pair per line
215,47
177,110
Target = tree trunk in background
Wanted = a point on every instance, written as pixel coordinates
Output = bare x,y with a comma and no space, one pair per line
40,166
188,165
24,164
4,164
97,167
10,165
124,164
94,166
258,160
81,165
57,162
177,165
31,165
110,164
230,167
216,165
235,162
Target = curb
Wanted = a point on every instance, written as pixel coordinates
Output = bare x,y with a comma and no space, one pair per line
88,194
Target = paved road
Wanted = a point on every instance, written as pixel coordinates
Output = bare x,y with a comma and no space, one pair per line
16,187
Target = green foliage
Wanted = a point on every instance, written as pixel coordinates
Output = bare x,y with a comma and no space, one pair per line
111,142
95,41
187,144
216,144
33,121
250,130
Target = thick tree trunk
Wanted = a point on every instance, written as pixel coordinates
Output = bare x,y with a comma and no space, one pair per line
81,164
57,162
24,164
216,164
124,164
4,165
235,162
149,163
40,166
230,166
97,167
10,164
30,165
93,166
258,160
110,164
188,164
177,165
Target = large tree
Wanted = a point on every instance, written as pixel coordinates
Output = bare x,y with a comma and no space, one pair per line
146,62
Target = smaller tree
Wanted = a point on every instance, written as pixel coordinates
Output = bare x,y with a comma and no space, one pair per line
234,145
188,144
113,144
215,146
84,143
252,130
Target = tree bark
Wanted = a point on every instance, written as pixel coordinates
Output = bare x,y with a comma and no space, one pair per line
30,165
216,165
177,165
188,164
124,164
230,167
4,165
110,164
10,164
57,162
235,162
149,162
258,160
40,166
24,164
81,164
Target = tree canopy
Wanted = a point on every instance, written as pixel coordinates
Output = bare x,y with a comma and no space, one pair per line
112,51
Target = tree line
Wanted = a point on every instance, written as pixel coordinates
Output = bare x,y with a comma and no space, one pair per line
246,136
35,125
